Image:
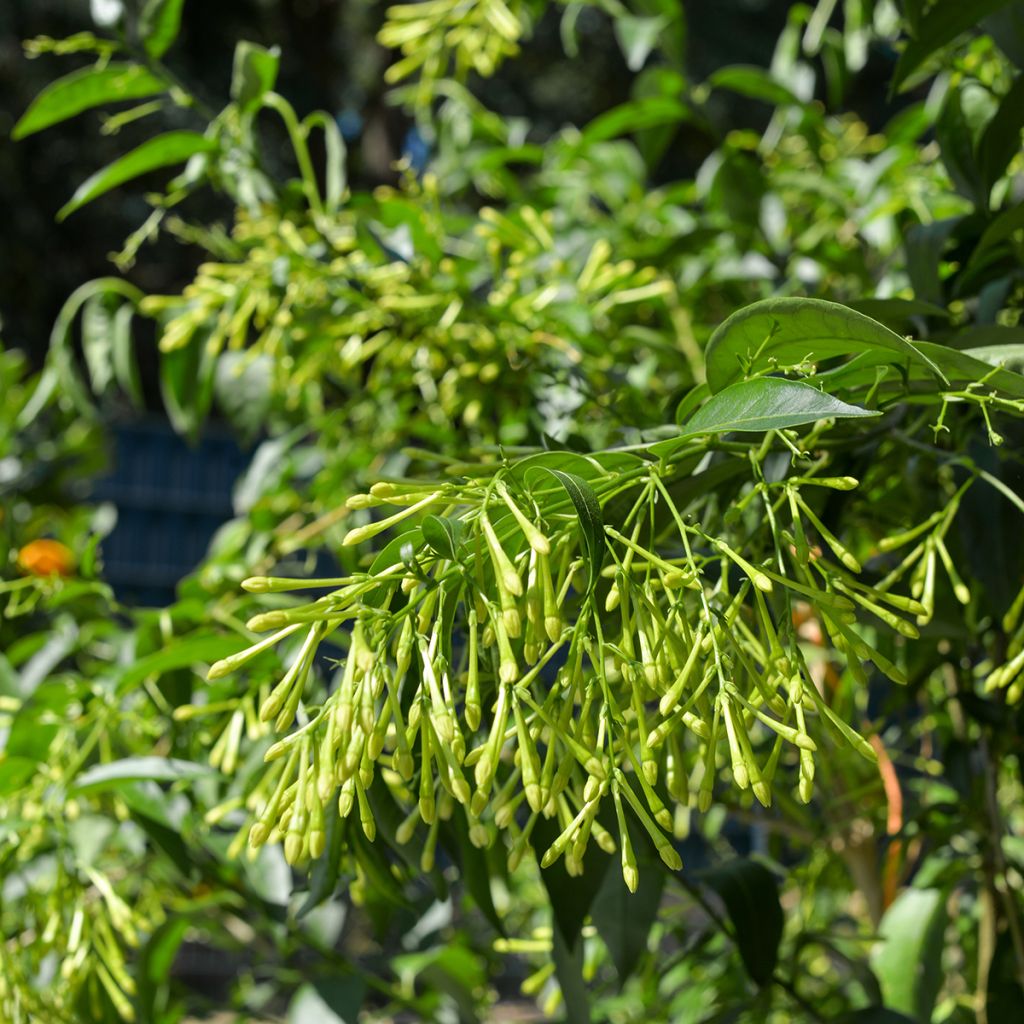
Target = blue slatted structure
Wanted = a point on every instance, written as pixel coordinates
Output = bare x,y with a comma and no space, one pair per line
171,497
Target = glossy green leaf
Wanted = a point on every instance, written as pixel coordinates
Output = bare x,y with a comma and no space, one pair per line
753,82
132,769
443,535
85,89
159,25
162,151
253,75
941,24
333,1000
764,403
908,960
750,894
789,331
588,511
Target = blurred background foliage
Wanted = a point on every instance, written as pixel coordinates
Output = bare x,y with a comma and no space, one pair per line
535,255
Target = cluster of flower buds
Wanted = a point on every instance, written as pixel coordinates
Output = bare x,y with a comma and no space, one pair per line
516,656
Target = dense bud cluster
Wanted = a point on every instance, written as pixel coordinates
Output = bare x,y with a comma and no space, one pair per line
517,656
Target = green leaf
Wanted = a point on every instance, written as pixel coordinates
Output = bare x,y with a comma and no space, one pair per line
755,83
943,22
569,972
161,151
764,403
132,769
159,25
789,331
588,511
253,74
242,384
84,89
1000,141
623,919
187,376
635,116
908,960
750,894
443,535
97,342
571,896
122,345
334,1000
637,37
473,868
875,1015
194,650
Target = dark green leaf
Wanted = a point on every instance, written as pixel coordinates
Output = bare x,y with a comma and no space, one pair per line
588,510
789,331
253,75
623,919
750,894
159,25
474,869
569,972
1000,141
161,151
442,535
942,23
571,896
908,960
132,769
84,89
897,312
334,1000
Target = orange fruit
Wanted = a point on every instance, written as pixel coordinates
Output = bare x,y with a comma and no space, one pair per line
45,557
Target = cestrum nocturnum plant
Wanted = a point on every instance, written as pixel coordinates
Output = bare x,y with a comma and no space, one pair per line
563,633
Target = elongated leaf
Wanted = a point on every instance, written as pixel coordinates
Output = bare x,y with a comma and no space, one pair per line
943,22
85,89
569,972
624,919
196,650
133,769
443,535
896,312
753,82
162,151
159,25
588,510
750,894
908,960
1000,141
253,75
790,331
637,37
765,403
634,116
875,1015
334,1000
